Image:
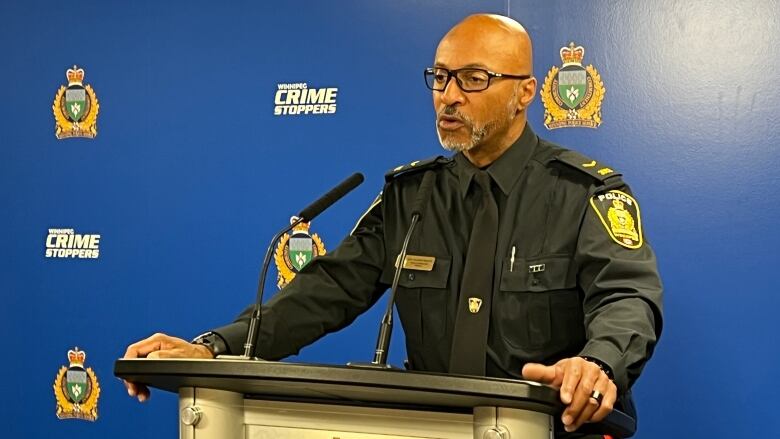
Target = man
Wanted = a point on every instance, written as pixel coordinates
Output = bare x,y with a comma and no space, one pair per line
538,268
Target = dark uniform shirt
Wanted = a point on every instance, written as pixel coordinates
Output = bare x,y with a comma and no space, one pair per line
576,285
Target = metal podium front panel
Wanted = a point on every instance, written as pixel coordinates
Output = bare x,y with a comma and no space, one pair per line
216,414
286,420
210,414
505,423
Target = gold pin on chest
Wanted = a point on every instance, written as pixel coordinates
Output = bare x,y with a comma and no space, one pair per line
475,304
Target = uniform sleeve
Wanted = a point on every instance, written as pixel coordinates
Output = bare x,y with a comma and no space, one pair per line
327,295
622,288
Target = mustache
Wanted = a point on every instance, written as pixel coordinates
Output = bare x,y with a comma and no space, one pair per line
452,111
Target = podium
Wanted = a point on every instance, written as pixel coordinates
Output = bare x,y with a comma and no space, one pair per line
225,399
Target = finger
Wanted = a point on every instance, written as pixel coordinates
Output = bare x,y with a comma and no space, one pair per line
137,390
132,350
592,405
131,390
143,393
147,345
589,374
540,373
607,404
170,353
571,378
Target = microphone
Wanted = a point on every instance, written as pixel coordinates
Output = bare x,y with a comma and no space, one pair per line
335,194
386,328
305,215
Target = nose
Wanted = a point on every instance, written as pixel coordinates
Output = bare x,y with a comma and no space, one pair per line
452,93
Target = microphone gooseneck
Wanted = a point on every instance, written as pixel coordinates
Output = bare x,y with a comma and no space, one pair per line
386,327
306,215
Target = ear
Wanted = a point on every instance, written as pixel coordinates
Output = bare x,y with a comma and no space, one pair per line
527,93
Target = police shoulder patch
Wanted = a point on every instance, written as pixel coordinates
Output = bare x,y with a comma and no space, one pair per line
620,215
415,166
597,170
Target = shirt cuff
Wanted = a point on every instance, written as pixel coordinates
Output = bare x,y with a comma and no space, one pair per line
611,358
213,342
602,365
234,335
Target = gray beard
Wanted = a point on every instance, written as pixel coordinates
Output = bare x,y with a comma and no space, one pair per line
477,135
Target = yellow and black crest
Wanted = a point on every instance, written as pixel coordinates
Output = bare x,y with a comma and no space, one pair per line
572,94
620,215
76,389
475,303
295,251
75,107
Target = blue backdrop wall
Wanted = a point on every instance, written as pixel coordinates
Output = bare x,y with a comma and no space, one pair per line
191,172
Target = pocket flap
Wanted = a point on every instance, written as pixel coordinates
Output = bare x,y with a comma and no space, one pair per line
538,274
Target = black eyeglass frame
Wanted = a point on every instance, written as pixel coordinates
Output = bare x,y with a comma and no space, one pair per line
453,74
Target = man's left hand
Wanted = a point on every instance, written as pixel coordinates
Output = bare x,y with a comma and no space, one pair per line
577,379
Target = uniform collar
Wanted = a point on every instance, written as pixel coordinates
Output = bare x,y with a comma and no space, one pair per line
506,170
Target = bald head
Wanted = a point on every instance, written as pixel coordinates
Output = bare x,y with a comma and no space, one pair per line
482,113
500,43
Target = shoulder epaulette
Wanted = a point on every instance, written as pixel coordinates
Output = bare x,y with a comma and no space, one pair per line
587,165
415,166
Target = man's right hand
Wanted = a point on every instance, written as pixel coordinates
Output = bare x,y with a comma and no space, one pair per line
161,346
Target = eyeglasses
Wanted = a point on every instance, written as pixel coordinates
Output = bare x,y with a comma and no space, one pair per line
469,79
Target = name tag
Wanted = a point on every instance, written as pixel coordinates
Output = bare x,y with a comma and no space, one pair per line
419,263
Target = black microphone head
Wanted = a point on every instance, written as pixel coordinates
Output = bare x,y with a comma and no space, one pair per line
331,197
358,177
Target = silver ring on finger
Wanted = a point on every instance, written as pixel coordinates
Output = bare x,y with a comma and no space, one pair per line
598,396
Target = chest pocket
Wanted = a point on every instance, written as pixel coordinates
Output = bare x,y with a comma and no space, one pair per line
539,307
422,301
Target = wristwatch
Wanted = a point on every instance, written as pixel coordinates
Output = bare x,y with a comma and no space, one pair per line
213,342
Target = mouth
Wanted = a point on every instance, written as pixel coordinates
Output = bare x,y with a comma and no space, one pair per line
449,123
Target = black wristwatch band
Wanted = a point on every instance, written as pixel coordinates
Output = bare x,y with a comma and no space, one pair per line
213,342
603,366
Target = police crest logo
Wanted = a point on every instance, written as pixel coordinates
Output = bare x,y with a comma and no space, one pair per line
475,303
620,215
76,389
572,94
75,107
295,251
